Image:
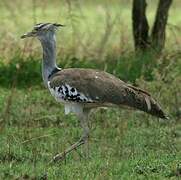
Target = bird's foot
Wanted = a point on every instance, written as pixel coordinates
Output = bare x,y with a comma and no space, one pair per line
59,157
62,156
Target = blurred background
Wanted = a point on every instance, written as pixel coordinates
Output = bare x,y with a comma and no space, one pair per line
98,34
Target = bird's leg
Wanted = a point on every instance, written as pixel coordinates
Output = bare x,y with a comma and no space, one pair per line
62,155
83,140
85,136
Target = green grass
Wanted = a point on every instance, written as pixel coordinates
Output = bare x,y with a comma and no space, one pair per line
123,144
147,154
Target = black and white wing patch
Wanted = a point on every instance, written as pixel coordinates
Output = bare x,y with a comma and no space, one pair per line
67,93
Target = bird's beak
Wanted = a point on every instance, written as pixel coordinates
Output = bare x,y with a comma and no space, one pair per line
29,34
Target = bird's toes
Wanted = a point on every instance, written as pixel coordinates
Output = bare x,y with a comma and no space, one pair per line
59,157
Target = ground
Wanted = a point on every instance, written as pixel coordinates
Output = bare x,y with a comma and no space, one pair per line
123,144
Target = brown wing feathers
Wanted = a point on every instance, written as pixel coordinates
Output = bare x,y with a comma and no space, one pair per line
143,101
103,88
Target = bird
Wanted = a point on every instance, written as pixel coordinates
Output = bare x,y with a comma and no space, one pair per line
81,90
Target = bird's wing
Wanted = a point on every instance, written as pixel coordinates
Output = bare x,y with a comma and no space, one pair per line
94,86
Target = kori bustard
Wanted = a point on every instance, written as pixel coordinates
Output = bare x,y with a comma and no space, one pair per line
81,90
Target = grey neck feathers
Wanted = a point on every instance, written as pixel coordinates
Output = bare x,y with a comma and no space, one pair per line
48,43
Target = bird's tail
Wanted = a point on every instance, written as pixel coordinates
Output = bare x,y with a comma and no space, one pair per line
143,101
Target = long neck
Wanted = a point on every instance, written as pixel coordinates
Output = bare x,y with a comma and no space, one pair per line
49,56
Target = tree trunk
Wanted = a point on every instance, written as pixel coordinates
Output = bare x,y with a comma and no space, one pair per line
158,31
140,24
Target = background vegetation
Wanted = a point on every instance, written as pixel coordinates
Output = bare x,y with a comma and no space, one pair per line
124,144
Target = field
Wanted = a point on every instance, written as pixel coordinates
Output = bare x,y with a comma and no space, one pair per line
123,144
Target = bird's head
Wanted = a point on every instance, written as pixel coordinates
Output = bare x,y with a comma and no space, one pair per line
43,30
